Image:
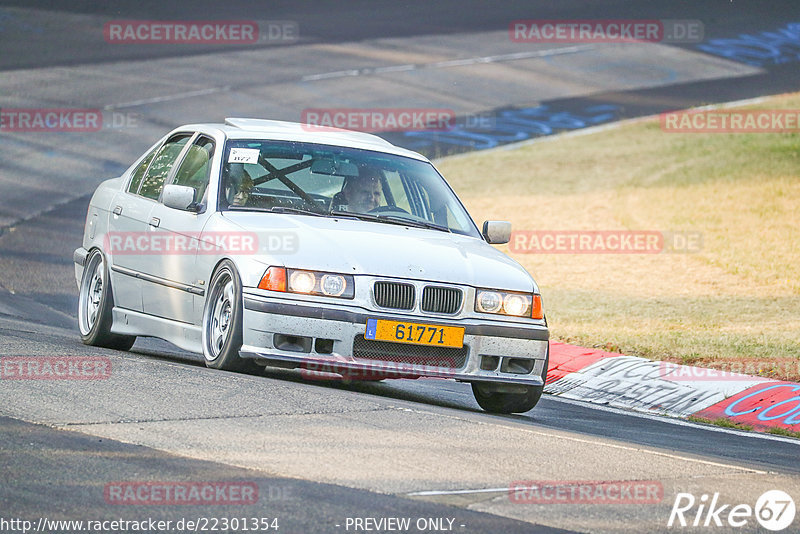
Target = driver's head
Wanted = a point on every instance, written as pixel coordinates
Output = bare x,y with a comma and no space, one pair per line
363,193
237,185
241,196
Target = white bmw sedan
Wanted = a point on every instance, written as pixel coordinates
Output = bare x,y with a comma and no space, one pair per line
259,242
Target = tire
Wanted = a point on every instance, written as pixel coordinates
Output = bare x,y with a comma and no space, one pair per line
498,402
95,302
494,401
222,322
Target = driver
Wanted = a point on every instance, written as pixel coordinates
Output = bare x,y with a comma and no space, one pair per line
362,193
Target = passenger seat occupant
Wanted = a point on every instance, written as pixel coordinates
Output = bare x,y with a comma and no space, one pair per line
241,197
238,185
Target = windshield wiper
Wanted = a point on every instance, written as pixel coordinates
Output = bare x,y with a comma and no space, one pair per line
277,209
300,211
353,215
414,222
388,219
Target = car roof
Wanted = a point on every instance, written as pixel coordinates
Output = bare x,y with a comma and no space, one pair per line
244,128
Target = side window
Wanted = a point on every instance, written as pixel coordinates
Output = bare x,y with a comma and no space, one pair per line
153,181
195,167
138,174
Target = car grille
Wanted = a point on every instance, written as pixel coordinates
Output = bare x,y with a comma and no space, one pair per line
394,295
450,358
441,299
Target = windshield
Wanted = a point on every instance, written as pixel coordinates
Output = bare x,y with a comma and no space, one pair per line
336,181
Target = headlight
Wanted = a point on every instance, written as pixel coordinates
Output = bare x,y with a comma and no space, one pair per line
508,303
302,281
333,285
516,304
308,282
489,302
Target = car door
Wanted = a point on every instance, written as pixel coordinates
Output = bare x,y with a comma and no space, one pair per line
174,282
127,212
128,243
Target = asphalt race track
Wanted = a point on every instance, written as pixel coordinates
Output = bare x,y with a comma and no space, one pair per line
325,453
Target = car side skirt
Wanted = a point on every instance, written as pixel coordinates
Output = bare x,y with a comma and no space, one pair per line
185,336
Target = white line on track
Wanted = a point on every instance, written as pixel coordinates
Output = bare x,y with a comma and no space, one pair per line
167,98
450,63
373,70
457,492
395,68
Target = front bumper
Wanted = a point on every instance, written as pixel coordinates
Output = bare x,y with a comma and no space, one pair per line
328,338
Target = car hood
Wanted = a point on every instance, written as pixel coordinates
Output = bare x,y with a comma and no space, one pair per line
368,248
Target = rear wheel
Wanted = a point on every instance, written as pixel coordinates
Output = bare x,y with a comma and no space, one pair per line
95,302
222,321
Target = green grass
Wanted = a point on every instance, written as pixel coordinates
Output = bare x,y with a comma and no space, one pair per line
780,431
737,299
722,421
727,423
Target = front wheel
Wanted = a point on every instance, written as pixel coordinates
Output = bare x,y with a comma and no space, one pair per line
492,399
95,302
222,321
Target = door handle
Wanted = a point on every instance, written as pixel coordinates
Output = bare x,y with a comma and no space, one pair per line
155,221
117,210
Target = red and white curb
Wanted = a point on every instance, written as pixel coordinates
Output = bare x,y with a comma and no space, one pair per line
663,388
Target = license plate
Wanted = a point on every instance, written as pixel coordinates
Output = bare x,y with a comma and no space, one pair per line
415,333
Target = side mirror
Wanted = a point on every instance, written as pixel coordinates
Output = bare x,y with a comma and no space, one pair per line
497,232
179,197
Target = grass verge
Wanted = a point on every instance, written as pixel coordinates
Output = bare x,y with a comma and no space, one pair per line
780,431
722,421
737,300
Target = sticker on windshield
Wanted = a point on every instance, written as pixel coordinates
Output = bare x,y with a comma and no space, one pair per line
243,155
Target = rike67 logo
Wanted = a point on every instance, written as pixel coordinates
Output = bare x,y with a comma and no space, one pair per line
774,510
